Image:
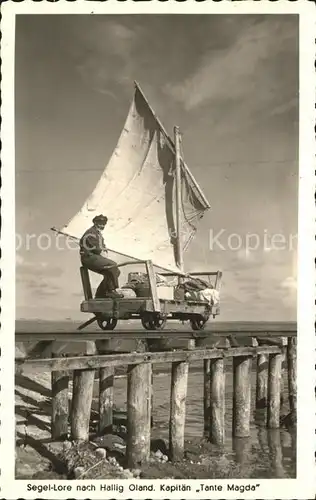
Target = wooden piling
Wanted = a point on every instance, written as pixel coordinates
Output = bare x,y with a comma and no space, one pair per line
139,388
106,383
274,390
276,454
179,386
60,404
291,368
262,381
241,396
242,450
206,395
152,399
282,385
83,383
217,402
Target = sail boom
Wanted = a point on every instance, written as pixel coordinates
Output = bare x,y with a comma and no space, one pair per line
135,260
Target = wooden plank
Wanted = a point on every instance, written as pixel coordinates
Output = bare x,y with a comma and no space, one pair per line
241,396
136,305
184,307
139,388
153,285
291,366
274,388
217,402
194,273
83,383
105,306
86,285
179,386
60,405
100,361
262,381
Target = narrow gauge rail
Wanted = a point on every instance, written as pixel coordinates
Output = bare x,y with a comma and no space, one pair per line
285,329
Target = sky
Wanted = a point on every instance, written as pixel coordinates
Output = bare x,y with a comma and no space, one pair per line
231,84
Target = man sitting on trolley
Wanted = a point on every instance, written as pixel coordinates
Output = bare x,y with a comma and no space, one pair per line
91,247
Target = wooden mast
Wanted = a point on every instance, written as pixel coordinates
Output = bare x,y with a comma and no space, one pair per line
178,196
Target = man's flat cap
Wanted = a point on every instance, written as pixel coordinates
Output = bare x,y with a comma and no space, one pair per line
100,219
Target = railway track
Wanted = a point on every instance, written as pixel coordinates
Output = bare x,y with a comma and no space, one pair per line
218,330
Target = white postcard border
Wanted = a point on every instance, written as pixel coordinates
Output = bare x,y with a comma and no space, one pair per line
300,488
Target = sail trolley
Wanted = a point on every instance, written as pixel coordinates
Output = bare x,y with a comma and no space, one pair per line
153,205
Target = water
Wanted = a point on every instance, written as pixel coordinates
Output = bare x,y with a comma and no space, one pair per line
265,454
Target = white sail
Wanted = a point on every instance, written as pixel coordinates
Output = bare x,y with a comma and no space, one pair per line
137,193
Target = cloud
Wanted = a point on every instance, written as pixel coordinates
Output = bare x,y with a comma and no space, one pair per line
19,260
253,73
245,254
39,269
102,53
290,283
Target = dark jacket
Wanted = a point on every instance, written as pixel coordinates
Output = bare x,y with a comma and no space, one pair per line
92,242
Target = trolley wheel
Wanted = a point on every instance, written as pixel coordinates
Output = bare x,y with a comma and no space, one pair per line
198,323
153,322
107,323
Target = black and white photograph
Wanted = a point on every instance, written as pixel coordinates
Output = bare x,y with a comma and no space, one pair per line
159,291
